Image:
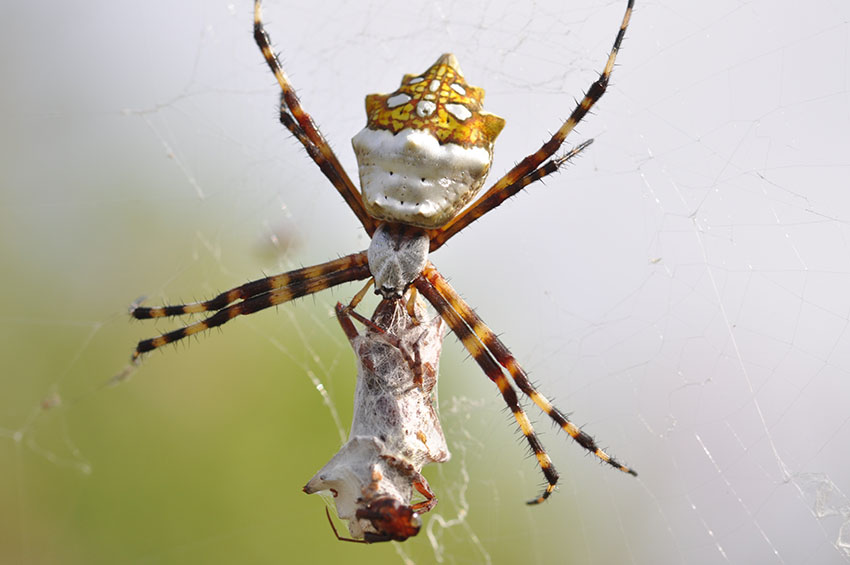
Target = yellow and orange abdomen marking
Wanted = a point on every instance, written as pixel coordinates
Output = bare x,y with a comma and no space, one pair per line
426,148
439,101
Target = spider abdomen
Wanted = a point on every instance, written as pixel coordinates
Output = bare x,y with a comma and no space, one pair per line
426,148
410,177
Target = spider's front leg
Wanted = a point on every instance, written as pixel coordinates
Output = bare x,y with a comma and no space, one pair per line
489,351
494,373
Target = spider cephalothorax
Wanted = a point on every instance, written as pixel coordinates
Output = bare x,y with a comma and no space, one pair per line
426,148
423,155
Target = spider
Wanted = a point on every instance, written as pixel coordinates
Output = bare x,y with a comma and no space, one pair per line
422,157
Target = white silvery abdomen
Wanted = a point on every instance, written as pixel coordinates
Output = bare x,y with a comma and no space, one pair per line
426,148
411,178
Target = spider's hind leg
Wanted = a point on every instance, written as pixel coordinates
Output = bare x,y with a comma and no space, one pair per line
302,126
513,180
493,199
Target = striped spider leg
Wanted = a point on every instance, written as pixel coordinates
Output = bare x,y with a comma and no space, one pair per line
395,429
301,125
253,296
487,349
535,166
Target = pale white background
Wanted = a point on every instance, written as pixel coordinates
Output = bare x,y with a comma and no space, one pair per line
682,288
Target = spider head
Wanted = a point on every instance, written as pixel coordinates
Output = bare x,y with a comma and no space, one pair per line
397,254
426,148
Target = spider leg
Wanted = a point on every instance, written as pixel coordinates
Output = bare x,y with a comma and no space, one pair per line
302,126
250,289
310,280
492,200
344,314
494,372
533,161
498,349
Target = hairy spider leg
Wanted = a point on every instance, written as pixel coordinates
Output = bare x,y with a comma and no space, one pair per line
533,161
498,349
250,289
492,200
302,126
494,372
294,284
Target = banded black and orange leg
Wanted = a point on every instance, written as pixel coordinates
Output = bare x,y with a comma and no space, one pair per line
533,161
255,296
494,372
492,200
302,126
498,349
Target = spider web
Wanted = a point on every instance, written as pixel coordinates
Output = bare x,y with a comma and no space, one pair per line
682,287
